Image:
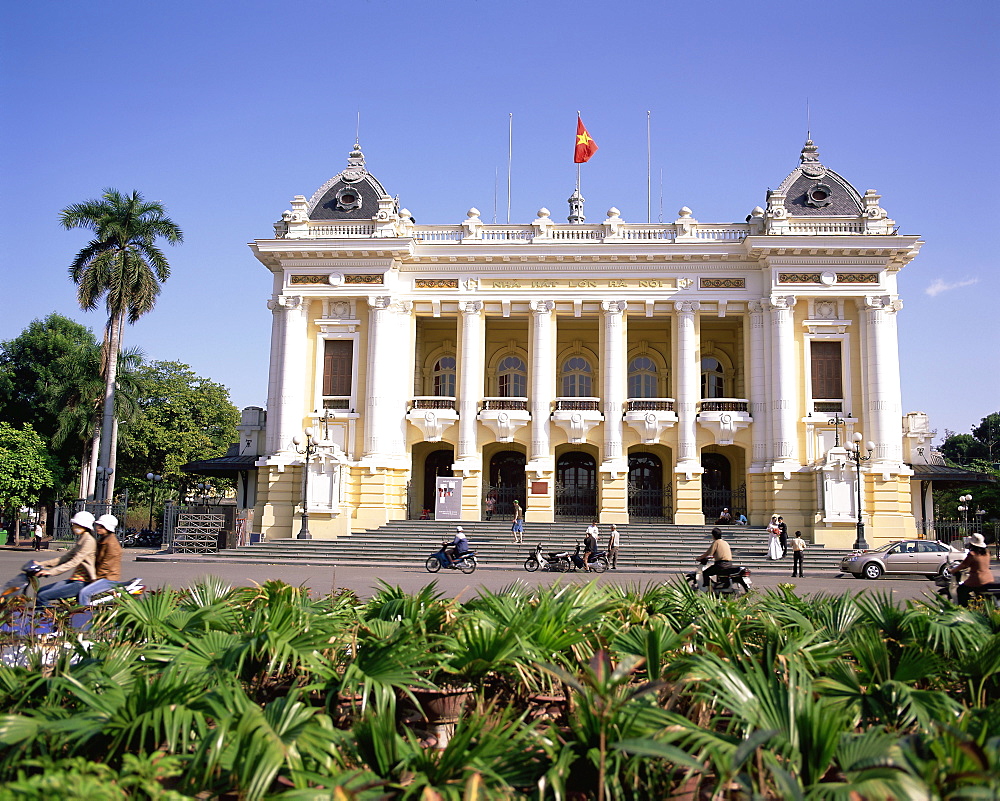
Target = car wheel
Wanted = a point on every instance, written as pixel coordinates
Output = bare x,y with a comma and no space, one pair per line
468,565
531,564
433,564
873,570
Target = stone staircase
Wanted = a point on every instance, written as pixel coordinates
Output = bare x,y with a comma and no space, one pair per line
645,546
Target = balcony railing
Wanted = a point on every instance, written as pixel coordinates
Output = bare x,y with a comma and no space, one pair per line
505,405
578,405
725,405
828,406
433,402
649,405
337,402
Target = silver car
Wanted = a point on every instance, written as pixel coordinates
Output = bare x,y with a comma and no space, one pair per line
928,557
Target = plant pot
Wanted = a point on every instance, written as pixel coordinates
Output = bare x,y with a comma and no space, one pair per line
442,708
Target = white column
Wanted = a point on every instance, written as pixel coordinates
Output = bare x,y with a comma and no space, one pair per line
882,362
274,376
295,375
470,380
758,389
614,390
543,329
785,384
688,376
389,368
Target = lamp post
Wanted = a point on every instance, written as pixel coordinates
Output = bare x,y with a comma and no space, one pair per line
308,450
837,422
964,502
103,476
153,480
205,489
854,452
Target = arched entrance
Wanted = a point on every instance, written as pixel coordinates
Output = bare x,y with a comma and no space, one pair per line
717,491
506,484
576,486
437,463
648,499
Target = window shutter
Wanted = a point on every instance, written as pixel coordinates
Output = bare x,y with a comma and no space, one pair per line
338,364
827,370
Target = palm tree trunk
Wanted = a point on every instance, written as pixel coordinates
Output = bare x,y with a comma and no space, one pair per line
108,418
113,464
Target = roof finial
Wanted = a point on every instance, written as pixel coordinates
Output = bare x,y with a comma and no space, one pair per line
356,157
808,122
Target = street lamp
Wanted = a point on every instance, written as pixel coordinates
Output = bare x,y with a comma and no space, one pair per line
309,449
854,452
205,489
153,480
964,501
103,476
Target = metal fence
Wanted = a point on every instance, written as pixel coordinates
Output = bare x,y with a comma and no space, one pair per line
952,530
61,529
650,504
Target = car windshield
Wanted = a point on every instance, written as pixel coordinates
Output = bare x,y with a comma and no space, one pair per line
885,548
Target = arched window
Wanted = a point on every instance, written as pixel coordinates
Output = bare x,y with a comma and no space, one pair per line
713,383
576,378
512,378
642,378
444,376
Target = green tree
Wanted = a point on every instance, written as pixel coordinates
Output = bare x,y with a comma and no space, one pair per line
180,417
25,467
124,266
978,451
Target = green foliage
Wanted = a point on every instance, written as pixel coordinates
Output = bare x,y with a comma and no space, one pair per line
25,467
266,692
978,451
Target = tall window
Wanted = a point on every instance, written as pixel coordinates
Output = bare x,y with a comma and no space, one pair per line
444,376
576,378
338,359
713,378
512,378
642,378
827,370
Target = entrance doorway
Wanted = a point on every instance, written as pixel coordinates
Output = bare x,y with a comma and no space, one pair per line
437,463
576,486
507,484
648,499
717,491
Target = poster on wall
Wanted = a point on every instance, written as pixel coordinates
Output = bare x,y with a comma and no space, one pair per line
448,503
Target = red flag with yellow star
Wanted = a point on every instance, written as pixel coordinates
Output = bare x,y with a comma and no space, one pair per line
585,146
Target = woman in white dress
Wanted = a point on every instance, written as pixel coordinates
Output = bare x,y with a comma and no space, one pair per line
774,550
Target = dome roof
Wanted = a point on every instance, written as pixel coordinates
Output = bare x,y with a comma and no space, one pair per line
814,190
354,194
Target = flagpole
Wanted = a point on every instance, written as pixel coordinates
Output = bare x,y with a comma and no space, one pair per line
510,156
496,183
578,165
649,167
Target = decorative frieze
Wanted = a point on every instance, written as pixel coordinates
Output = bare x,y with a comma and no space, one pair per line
722,283
363,279
800,278
857,278
309,279
436,283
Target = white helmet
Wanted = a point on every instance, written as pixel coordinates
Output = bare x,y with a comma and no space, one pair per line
83,519
110,522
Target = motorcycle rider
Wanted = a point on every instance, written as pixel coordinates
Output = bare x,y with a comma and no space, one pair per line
109,558
721,553
458,547
81,558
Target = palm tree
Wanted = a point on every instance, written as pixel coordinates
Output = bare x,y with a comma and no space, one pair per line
124,266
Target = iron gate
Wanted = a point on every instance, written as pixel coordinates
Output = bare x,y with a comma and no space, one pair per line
61,531
714,501
650,504
503,497
576,501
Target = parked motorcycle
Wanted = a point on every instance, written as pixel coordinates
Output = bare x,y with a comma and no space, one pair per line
555,562
466,562
143,539
732,581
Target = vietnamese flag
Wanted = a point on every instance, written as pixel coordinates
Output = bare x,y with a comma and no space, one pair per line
585,146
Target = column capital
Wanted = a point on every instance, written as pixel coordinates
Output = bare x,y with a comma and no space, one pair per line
285,302
614,306
542,306
756,306
886,303
780,302
470,307
388,303
687,306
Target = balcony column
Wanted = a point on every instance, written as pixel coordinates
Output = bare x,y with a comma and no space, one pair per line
385,404
290,391
614,469
758,387
884,404
541,462
470,384
688,469
274,374
785,382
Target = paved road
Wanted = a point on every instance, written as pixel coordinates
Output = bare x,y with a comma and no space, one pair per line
365,580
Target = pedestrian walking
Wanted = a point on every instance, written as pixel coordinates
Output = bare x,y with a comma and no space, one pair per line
614,542
783,536
517,528
36,540
798,554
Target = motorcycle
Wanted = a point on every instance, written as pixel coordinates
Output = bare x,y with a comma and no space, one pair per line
733,581
143,539
466,562
949,580
555,562
28,576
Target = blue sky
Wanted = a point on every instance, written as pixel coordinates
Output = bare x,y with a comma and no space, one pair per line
225,110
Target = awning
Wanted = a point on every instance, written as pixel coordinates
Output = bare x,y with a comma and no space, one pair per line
225,466
943,474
